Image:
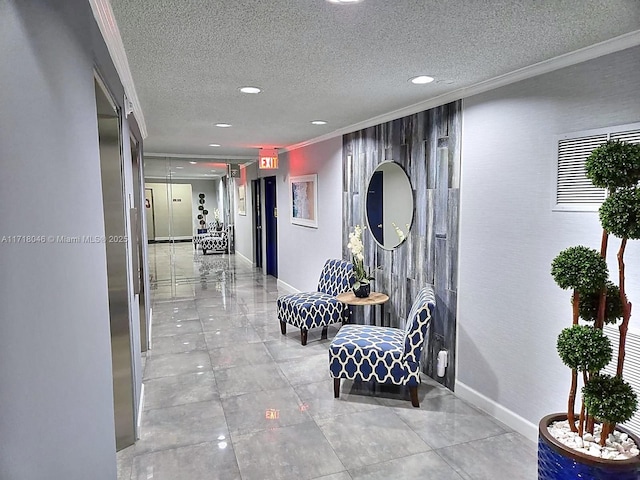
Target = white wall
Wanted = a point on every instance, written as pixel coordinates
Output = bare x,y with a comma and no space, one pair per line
56,398
209,188
302,251
510,311
172,219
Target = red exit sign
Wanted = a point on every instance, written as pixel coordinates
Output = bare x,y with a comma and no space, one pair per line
268,159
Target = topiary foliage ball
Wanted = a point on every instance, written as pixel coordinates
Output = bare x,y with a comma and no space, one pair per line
589,303
584,348
609,399
614,165
580,268
620,213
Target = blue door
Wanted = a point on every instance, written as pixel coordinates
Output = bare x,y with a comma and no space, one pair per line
271,224
375,211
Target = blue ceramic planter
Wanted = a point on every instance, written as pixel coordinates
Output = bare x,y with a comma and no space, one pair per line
557,462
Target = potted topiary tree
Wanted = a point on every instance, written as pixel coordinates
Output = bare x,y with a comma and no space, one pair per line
590,444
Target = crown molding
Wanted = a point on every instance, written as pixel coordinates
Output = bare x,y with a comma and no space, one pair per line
111,34
238,158
613,45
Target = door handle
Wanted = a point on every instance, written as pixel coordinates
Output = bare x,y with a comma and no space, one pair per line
380,226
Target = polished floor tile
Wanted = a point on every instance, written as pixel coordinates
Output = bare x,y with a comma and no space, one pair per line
177,327
180,389
187,424
288,453
503,457
206,460
446,420
178,344
227,396
231,336
414,467
176,364
318,397
239,355
264,410
371,436
310,369
249,378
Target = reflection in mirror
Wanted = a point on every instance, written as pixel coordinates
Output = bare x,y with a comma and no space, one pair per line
389,205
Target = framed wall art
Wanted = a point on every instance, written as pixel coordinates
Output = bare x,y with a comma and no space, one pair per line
303,193
242,200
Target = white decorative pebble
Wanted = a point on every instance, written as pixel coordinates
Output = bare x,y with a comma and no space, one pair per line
619,446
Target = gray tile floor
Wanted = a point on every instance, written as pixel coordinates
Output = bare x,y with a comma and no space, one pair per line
228,397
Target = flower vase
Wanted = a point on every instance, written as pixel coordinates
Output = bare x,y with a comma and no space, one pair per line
363,291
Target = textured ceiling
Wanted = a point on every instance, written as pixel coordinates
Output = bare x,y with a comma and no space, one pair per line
341,63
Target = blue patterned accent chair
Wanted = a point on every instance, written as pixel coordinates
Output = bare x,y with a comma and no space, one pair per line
382,354
215,242
308,310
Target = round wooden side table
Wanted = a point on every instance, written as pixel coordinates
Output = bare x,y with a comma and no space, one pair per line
374,298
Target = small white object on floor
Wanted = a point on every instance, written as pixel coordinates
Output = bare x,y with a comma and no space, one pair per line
618,445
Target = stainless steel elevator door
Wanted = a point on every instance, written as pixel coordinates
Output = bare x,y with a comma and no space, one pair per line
116,249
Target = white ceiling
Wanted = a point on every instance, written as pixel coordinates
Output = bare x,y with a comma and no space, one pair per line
346,64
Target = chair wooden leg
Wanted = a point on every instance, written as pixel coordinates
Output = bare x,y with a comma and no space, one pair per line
283,327
303,336
336,388
324,333
413,391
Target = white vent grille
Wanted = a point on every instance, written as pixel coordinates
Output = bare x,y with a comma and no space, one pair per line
573,185
632,136
631,371
574,189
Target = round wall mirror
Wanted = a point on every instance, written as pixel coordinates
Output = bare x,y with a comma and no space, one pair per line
389,205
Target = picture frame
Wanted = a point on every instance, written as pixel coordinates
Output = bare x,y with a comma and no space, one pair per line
242,200
303,196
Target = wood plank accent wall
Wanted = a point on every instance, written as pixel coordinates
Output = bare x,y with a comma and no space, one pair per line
427,146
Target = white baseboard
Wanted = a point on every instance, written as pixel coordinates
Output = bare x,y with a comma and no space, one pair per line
509,418
168,239
242,257
285,286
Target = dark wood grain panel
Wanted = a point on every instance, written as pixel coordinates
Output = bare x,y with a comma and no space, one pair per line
429,255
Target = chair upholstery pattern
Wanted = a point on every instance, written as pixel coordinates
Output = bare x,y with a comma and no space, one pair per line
382,354
308,310
218,242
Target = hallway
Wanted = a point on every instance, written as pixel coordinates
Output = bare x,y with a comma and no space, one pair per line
228,397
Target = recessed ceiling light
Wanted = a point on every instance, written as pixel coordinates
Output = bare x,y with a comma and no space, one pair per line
421,79
319,122
214,144
179,167
223,125
193,163
250,90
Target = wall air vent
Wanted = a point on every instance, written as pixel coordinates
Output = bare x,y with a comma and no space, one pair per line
574,191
